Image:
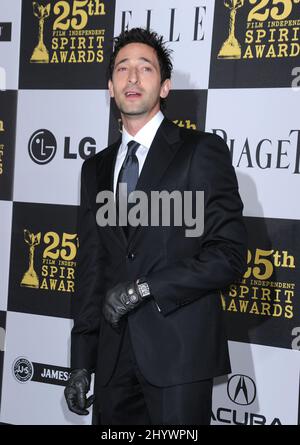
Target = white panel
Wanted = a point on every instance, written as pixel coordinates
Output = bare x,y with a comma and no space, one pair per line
191,34
261,118
10,12
43,340
270,383
66,114
5,237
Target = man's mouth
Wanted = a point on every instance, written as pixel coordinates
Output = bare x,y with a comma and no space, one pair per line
132,94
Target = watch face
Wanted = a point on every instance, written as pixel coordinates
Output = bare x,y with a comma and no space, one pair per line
144,289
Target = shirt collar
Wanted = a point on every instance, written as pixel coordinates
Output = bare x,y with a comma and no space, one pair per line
145,135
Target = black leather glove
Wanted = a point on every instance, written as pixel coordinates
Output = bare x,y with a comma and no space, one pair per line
122,299
75,392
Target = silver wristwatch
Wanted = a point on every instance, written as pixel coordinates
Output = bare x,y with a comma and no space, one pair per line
143,287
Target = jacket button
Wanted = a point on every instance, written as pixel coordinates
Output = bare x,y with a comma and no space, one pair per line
131,256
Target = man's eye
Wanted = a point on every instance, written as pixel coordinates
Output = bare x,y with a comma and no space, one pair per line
122,68
147,68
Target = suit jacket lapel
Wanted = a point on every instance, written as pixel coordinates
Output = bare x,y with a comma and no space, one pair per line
105,177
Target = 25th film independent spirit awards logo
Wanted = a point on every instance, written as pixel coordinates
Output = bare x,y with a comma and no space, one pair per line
58,261
256,294
268,289
43,259
257,34
68,38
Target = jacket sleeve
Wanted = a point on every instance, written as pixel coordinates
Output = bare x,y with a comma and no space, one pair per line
221,257
89,284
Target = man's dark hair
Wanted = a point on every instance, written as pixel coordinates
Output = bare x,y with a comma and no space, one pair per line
150,38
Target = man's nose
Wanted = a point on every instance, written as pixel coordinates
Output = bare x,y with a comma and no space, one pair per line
133,76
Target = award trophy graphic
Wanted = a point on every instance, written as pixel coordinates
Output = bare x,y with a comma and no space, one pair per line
231,48
30,278
40,53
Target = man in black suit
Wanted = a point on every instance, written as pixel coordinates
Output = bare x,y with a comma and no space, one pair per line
147,308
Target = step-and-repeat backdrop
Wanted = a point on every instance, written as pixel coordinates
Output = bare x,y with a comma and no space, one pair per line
236,74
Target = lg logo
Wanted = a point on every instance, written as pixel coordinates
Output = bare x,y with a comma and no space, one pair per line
42,147
241,389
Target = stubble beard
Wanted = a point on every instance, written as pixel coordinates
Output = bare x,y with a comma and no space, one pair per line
126,111
139,110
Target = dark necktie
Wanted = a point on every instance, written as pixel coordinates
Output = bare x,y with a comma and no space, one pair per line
129,173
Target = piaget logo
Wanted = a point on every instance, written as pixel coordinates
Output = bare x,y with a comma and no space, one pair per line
271,30
51,261
260,291
281,153
73,39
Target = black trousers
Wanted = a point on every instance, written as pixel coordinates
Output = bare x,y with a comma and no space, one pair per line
129,399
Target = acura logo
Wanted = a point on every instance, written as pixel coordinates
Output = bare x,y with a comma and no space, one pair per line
241,389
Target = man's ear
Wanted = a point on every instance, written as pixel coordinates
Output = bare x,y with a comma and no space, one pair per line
165,88
111,88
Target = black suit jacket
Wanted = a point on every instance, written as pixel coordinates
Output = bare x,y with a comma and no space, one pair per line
186,341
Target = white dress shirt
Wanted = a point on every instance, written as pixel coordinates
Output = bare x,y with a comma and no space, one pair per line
144,137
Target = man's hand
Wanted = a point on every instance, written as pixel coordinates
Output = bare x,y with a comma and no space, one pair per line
122,299
75,392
